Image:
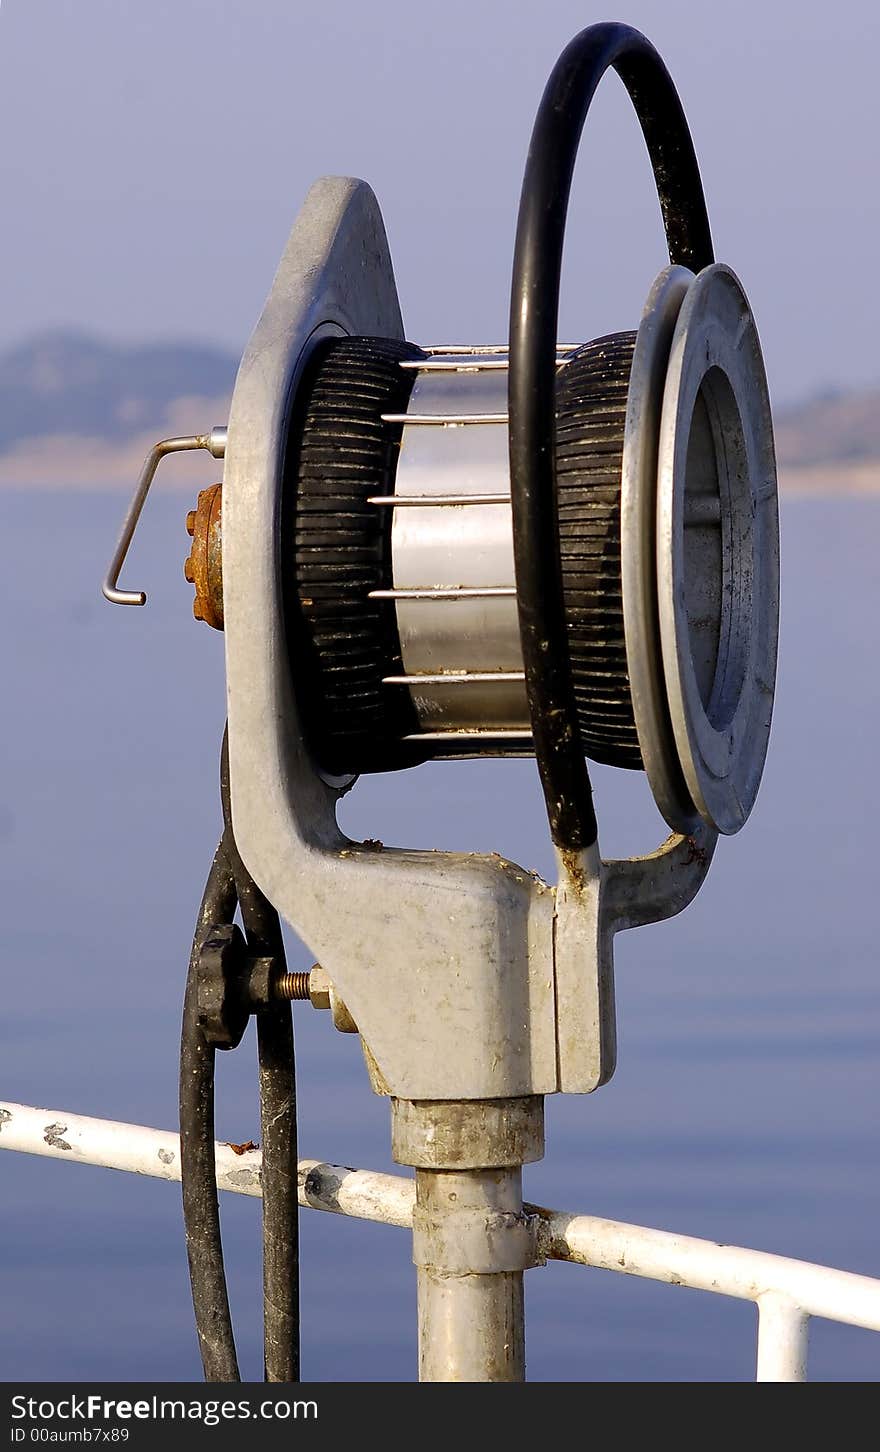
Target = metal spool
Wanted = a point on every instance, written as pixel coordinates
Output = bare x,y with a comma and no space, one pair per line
399,563
402,601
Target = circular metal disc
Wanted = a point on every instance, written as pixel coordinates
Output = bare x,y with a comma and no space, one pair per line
718,549
638,527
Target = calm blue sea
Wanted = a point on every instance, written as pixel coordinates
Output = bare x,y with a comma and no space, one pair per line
745,1106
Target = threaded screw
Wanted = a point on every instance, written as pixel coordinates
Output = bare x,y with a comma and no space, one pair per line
292,985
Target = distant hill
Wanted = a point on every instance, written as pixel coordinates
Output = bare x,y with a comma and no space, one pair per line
78,410
831,429
67,383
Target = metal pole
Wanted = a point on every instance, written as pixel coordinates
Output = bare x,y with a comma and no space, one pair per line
471,1322
783,1331
472,1240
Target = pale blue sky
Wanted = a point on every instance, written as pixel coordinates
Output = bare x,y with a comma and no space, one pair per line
153,155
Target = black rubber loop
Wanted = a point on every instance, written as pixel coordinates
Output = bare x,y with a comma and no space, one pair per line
278,1136
230,884
198,1172
534,313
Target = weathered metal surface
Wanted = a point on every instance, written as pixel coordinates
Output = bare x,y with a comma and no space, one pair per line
583,954
471,1134
471,1243
472,1222
203,566
718,568
77,1138
638,547
471,1237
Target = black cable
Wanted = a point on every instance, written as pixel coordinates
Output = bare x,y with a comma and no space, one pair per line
280,1206
277,1121
230,884
534,312
201,1211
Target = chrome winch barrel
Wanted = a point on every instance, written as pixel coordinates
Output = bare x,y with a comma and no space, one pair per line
452,554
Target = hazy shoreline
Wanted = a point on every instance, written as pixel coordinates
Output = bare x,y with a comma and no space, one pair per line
58,462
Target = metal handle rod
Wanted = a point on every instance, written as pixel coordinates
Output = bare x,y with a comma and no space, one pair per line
476,733
432,501
475,349
464,364
452,678
453,592
215,443
444,418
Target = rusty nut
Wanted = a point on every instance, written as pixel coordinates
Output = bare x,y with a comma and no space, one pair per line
203,567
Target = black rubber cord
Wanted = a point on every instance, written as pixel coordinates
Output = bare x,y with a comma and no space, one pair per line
201,1211
230,884
277,1121
534,312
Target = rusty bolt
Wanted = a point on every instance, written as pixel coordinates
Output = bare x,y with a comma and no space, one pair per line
292,985
313,984
204,564
316,986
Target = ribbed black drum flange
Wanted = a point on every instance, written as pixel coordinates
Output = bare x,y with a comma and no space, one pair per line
342,643
590,419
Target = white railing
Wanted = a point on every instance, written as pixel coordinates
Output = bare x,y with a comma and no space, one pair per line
786,1292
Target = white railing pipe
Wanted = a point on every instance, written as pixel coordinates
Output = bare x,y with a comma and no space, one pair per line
787,1292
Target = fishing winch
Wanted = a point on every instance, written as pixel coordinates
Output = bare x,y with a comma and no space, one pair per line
566,550
397,559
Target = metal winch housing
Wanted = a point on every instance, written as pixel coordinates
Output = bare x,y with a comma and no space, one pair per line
568,550
398,559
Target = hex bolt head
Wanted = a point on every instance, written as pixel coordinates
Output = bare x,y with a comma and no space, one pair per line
319,987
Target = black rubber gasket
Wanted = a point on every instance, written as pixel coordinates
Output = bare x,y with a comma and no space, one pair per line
337,548
591,399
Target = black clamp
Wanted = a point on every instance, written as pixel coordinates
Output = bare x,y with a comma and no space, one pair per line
233,983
